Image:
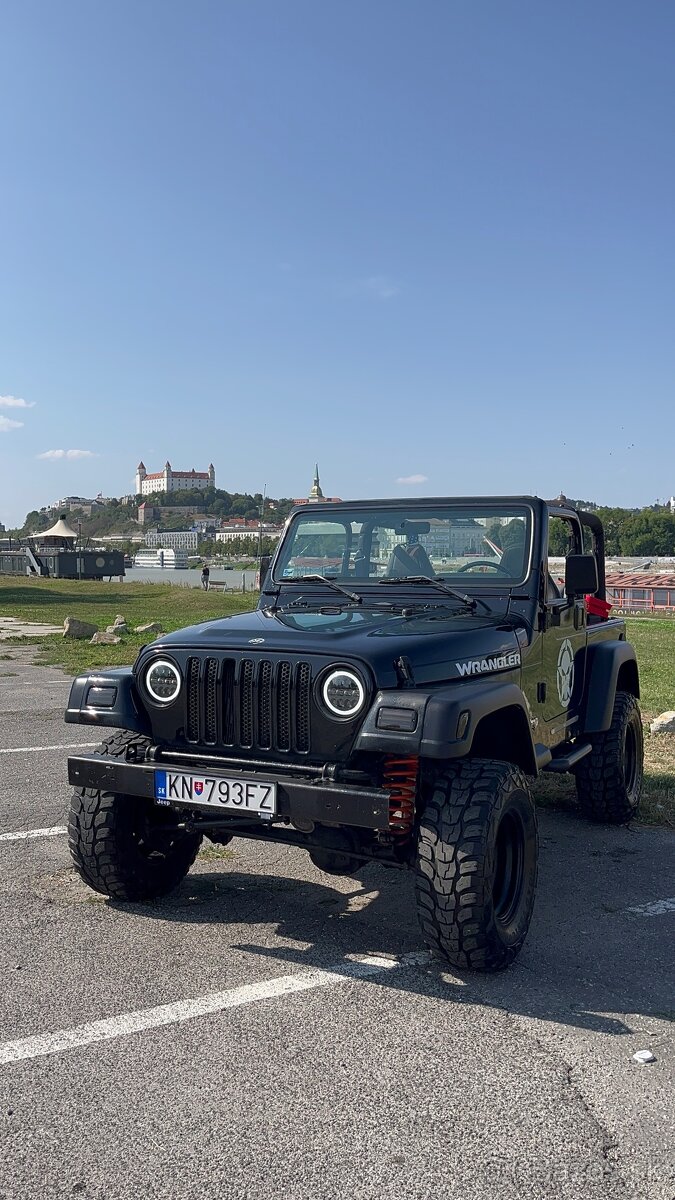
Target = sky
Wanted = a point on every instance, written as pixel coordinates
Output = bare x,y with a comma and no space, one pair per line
429,245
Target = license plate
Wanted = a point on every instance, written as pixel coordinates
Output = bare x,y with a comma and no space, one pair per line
216,791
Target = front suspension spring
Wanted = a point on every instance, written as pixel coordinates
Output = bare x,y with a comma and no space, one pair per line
400,779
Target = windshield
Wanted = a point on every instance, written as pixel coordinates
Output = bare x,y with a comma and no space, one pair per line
467,545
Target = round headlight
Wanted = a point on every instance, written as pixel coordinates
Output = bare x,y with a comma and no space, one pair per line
162,680
343,693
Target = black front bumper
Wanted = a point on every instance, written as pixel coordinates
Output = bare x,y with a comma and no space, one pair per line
320,801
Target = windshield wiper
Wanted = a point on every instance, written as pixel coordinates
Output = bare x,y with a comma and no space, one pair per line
329,583
471,602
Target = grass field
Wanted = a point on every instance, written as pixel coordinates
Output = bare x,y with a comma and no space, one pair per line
52,600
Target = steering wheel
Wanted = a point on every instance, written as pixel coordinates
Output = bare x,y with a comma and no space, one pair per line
483,562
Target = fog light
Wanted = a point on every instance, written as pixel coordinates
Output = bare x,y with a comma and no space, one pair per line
402,720
101,697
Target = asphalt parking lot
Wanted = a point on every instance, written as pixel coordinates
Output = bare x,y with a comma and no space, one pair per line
269,1030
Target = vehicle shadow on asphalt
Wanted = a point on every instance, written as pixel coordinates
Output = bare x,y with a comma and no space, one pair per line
566,979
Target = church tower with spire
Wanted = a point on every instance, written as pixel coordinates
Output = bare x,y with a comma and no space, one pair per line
316,495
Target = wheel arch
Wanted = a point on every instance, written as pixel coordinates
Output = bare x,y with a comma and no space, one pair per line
505,735
628,679
487,718
612,667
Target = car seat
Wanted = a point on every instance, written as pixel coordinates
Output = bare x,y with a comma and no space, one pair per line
512,560
421,559
409,560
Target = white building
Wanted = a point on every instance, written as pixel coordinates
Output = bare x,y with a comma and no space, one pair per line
169,480
246,529
172,539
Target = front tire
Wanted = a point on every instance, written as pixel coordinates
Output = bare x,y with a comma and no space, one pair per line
609,779
125,846
477,865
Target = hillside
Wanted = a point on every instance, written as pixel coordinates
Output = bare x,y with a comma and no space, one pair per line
115,519
647,531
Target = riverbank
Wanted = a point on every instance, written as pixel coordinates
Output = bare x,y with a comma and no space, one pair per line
233,579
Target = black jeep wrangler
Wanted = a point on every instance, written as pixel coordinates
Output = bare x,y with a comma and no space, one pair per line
410,668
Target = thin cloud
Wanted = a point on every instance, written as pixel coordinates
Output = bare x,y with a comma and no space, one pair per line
412,479
15,402
379,286
6,424
53,454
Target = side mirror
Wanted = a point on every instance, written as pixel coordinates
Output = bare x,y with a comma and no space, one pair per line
581,574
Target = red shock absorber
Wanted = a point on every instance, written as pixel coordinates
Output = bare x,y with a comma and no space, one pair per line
400,779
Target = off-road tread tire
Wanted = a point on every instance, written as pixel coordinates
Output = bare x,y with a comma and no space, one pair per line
456,862
600,776
100,826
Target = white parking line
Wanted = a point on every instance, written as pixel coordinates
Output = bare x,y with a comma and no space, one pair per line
61,746
52,831
187,1010
656,909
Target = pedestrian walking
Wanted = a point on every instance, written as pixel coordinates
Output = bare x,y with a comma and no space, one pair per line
205,578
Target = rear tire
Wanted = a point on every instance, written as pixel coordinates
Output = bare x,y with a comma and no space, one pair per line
477,865
609,779
125,846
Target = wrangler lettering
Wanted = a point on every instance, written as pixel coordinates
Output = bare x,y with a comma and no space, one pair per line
478,666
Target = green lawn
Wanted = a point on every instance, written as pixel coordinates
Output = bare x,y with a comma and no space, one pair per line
51,600
654,643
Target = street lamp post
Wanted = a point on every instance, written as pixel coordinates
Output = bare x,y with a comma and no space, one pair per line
260,525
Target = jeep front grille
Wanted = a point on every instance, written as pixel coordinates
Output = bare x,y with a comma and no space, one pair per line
248,704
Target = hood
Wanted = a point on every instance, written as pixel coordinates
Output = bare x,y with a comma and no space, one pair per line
440,644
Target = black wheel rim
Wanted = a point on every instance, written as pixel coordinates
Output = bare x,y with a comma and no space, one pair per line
509,868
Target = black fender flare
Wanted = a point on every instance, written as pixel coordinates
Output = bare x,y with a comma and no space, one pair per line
442,731
608,665
108,699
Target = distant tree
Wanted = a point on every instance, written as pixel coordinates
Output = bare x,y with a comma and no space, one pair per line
648,533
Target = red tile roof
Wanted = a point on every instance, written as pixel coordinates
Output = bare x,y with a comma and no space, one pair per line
640,579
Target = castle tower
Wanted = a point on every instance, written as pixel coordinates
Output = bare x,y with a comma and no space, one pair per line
212,475
316,494
140,476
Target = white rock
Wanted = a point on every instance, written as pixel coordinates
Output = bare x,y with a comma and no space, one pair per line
74,628
117,628
151,627
104,639
665,723
644,1056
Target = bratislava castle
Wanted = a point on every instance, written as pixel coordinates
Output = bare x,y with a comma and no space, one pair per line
169,480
